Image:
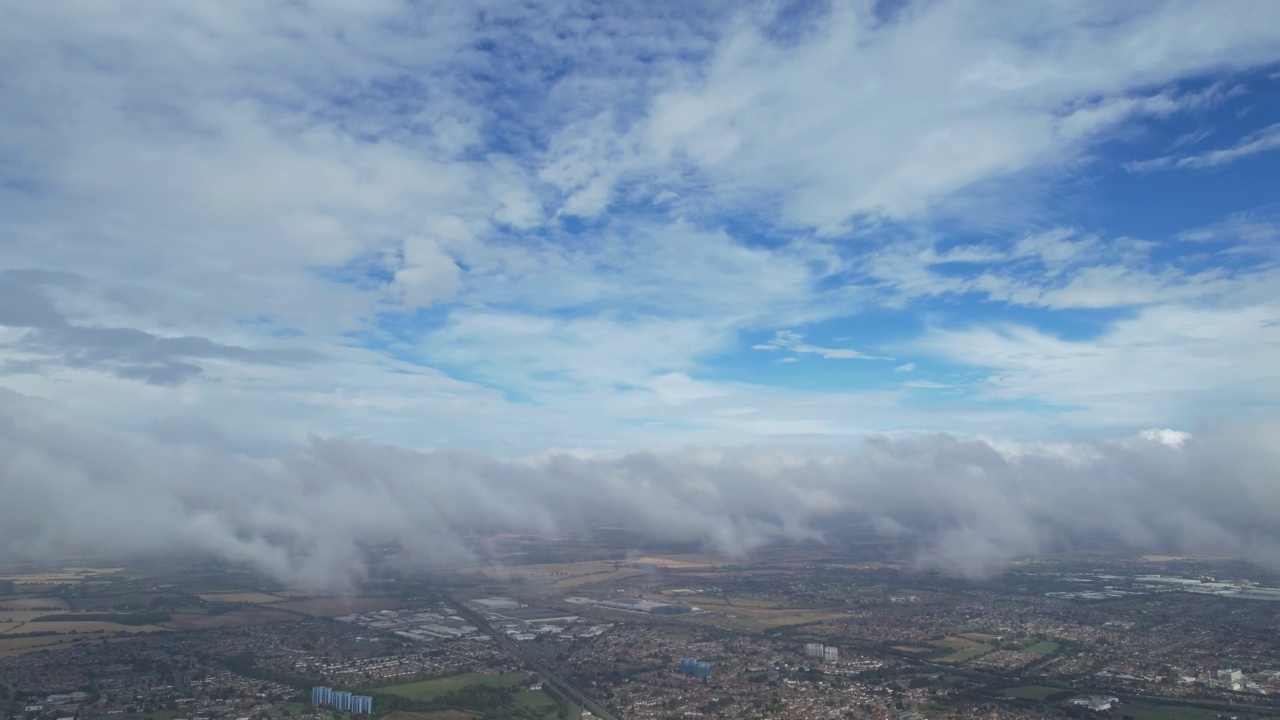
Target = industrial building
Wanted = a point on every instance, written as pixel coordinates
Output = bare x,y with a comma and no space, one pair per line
527,614
696,668
322,696
648,607
497,603
1096,703
1230,679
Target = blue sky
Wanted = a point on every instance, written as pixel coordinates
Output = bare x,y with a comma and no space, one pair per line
518,227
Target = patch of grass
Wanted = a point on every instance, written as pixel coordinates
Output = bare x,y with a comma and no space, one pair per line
1031,692
962,649
1042,648
1148,711
426,690
433,715
912,649
536,699
965,655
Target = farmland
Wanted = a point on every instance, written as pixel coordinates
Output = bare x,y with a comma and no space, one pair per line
432,689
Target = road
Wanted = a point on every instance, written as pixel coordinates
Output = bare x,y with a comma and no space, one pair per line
548,675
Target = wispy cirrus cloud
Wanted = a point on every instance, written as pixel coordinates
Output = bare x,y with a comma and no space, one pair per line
1262,141
792,342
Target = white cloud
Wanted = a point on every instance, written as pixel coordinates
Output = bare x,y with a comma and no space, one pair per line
1261,141
1165,362
335,180
890,119
791,341
303,515
905,368
426,274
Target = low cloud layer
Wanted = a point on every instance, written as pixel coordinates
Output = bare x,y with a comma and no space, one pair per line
966,505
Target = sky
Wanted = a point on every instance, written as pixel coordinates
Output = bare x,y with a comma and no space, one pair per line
551,238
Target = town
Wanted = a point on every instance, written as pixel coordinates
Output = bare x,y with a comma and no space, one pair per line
787,634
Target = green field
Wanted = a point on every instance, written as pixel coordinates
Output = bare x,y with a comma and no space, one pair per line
1031,692
431,689
965,655
962,649
1042,648
1147,711
536,699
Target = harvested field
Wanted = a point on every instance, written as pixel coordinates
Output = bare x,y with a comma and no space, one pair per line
18,646
33,603
86,626
333,606
24,616
678,561
251,598
301,595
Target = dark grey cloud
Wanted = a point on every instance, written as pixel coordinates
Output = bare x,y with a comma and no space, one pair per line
25,302
961,505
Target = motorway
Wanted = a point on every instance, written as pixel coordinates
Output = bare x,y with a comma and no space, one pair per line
548,675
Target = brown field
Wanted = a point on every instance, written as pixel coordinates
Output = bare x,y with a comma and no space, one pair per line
332,606
680,561
201,621
22,616
36,603
586,567
294,594
63,577
10,647
252,598
87,626
18,646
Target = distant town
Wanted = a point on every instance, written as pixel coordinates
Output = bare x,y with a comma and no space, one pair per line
797,633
